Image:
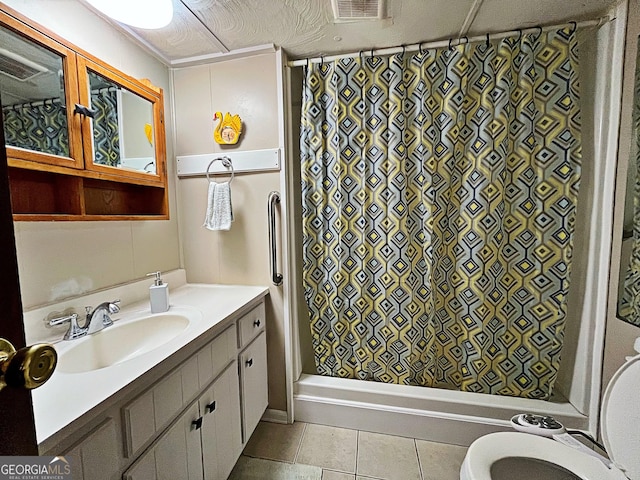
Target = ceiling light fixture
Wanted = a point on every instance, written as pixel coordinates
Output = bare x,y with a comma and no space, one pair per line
148,14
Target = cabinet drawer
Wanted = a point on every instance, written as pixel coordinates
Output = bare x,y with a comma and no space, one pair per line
190,379
250,325
90,453
167,399
139,422
153,410
214,357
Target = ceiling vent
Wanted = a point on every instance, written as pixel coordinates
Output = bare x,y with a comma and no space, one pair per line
357,10
18,67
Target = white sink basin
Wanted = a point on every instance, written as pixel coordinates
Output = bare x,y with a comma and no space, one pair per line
120,342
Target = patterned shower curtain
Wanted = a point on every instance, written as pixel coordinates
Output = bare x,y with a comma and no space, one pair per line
439,193
42,126
106,133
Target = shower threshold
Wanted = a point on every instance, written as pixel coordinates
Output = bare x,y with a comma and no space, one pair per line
418,412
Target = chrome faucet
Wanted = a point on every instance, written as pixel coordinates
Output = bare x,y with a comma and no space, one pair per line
97,319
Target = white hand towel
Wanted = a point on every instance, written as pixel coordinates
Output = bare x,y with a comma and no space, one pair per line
219,211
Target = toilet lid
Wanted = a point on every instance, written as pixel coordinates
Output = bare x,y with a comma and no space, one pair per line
620,420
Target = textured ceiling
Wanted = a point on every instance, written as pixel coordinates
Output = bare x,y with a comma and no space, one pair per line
305,28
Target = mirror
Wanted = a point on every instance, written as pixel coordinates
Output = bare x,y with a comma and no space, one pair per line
629,285
33,96
39,87
122,127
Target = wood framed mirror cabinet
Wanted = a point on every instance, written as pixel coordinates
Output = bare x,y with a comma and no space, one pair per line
84,140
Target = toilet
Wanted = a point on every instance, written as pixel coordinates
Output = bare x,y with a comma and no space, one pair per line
524,456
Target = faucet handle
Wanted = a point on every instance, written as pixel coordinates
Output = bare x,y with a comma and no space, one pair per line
114,306
75,330
63,319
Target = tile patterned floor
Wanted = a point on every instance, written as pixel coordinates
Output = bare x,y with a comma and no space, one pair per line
344,454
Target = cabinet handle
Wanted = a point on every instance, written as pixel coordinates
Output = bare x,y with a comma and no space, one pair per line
82,110
197,423
249,362
256,323
211,407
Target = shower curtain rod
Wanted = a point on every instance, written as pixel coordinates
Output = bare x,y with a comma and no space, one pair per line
445,43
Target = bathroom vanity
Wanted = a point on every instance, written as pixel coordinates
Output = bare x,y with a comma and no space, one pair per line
182,410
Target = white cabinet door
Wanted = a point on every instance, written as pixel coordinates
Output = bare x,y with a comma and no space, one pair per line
221,439
253,372
143,469
209,409
178,454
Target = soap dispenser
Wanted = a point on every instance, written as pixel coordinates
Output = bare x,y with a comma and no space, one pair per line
158,294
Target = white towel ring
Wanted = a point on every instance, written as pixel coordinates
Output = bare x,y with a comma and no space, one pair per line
226,161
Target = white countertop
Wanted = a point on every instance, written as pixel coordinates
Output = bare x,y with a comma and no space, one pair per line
68,396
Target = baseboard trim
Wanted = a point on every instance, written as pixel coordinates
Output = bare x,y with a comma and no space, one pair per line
275,416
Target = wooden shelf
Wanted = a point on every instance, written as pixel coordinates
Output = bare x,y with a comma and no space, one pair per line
51,196
122,200
37,192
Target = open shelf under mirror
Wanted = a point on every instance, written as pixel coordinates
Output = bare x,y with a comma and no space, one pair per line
106,198
35,192
49,196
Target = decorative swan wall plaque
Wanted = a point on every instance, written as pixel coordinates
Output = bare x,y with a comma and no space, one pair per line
228,130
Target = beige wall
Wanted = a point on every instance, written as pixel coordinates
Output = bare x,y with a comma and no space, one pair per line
57,260
247,87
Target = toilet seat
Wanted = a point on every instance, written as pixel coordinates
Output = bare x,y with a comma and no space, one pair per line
487,450
620,425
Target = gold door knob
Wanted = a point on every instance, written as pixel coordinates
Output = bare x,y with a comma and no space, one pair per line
28,367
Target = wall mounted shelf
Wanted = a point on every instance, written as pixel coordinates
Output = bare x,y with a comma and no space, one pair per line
243,162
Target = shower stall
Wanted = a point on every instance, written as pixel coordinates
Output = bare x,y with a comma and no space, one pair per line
460,417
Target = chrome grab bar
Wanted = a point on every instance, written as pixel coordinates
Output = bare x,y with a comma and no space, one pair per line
274,197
